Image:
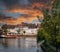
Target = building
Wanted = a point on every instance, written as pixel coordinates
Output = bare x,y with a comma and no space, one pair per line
26,29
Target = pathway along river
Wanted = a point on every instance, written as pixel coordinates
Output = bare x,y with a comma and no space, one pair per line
18,45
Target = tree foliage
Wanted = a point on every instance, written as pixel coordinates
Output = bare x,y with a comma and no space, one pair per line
5,31
51,24
18,31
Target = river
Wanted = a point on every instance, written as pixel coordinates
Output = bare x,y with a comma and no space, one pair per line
18,45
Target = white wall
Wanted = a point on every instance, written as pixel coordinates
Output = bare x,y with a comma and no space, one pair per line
28,31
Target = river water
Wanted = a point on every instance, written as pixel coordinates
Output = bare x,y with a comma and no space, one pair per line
18,45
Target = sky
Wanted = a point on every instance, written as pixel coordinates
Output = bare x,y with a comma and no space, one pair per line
16,11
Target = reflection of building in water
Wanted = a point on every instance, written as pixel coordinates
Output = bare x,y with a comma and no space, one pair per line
22,42
28,42
9,42
19,43
4,42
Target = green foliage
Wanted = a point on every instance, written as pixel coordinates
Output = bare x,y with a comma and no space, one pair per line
42,35
5,31
50,25
58,38
18,31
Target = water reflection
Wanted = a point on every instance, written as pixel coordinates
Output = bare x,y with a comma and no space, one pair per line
18,45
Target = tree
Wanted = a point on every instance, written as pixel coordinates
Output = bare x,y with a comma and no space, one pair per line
42,35
18,31
4,26
5,31
51,24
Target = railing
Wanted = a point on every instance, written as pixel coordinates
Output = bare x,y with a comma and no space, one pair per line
53,48
47,47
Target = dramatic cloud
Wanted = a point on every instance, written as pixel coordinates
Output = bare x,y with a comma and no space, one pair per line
17,11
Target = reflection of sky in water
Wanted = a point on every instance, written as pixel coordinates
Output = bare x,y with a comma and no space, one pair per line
18,45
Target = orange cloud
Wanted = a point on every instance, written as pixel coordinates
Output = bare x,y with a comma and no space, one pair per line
31,11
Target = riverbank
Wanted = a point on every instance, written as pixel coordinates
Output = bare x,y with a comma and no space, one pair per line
16,36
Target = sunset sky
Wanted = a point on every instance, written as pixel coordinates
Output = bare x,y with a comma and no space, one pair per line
17,11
